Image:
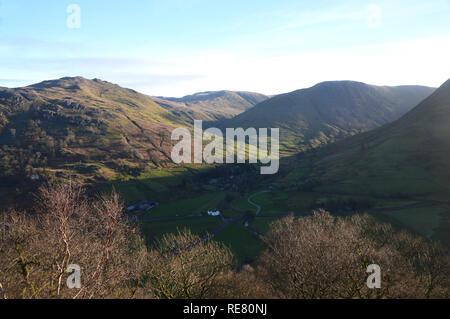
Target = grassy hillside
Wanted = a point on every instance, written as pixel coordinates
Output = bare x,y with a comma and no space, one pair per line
211,106
329,111
82,127
410,155
404,164
113,137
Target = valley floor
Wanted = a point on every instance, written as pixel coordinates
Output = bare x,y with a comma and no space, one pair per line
247,214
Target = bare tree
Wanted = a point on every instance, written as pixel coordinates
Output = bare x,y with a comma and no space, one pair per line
244,283
312,257
185,266
326,257
70,229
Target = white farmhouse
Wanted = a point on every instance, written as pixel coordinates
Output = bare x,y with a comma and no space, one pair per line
215,214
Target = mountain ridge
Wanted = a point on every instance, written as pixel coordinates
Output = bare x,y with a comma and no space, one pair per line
60,122
414,147
213,105
311,117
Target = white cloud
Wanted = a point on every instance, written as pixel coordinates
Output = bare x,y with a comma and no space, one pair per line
419,61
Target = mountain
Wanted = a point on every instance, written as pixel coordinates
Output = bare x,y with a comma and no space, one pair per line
329,111
74,125
399,173
211,106
409,157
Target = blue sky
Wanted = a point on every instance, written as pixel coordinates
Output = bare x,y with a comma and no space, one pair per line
178,47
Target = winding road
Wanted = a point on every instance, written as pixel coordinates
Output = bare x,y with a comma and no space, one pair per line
246,219
258,208
226,222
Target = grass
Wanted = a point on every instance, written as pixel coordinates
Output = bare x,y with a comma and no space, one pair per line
300,202
272,202
262,224
230,213
297,174
380,203
131,191
156,229
244,244
242,205
188,206
156,184
424,221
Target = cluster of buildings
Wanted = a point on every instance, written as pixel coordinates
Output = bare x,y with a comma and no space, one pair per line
143,206
147,205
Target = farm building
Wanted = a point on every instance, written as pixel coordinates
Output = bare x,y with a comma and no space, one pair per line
214,213
143,206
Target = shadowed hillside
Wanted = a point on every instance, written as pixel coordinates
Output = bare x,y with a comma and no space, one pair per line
405,164
410,155
329,111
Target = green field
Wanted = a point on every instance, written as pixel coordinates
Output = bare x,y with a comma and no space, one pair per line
272,202
186,207
180,209
242,205
200,226
262,224
181,205
245,245
424,221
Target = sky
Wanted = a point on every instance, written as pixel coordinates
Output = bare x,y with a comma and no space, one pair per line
179,47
